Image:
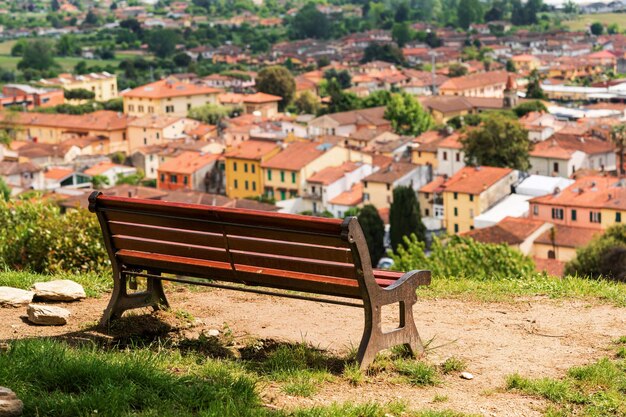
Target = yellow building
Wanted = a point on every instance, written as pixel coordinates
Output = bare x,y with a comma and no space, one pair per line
102,84
562,242
244,176
168,97
157,130
424,147
472,191
525,63
378,187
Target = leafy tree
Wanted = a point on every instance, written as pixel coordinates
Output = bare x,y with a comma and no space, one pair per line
67,46
596,28
618,137
79,94
499,142
376,99
404,217
374,231
570,7
182,59
210,113
37,55
5,191
469,11
99,181
54,5
530,106
132,24
612,29
278,81
91,19
407,116
388,53
462,257
457,70
18,47
402,12
401,33
309,23
510,66
533,89
307,103
343,77
603,257
433,40
339,99
493,14
130,179
162,42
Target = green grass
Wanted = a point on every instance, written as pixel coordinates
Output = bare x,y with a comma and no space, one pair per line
583,21
93,284
453,364
537,285
595,390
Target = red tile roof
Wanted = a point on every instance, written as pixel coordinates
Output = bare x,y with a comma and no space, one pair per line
590,192
568,236
510,230
329,175
169,88
58,173
391,173
295,156
252,149
352,197
187,163
475,180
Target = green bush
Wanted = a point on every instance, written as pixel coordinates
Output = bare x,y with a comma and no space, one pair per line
462,257
35,236
604,256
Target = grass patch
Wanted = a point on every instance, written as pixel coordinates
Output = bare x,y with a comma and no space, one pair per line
582,22
94,284
594,390
453,364
501,290
417,373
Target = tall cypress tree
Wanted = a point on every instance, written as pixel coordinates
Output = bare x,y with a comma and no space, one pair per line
374,231
404,216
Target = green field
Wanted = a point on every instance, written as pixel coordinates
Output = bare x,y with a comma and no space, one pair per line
582,22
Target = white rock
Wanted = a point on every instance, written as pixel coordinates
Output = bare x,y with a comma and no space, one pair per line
467,375
10,405
47,315
60,290
15,297
214,332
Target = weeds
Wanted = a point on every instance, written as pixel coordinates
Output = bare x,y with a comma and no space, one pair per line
452,364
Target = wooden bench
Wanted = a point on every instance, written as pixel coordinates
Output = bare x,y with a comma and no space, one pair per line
253,251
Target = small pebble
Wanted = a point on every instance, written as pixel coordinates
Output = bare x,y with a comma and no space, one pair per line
467,375
214,332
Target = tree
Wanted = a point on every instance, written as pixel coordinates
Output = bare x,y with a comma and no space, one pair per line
38,55
596,28
376,99
130,179
343,77
99,181
401,33
530,106
603,257
457,70
5,191
79,94
404,217
510,66
307,103
182,60
18,47
91,19
493,14
374,231
407,116
618,137
469,11
210,113
499,142
340,100
309,23
570,7
54,5
162,42
278,81
533,89
67,46
388,53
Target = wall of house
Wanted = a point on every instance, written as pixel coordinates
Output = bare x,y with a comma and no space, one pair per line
422,158
562,253
180,106
572,216
459,211
449,161
526,247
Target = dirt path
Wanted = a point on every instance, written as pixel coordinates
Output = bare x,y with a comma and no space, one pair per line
535,337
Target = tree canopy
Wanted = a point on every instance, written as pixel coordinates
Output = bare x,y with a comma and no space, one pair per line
374,231
407,116
498,142
603,257
278,81
162,42
404,217
309,23
37,55
387,52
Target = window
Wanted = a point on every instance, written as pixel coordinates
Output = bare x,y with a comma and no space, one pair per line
185,180
145,141
618,217
292,193
445,156
140,109
158,136
269,174
188,106
456,196
366,197
557,213
235,166
388,187
252,168
253,185
246,185
595,217
173,179
150,109
551,254
426,212
536,210
471,213
458,157
283,195
456,228
365,184
471,197
282,176
456,211
245,167
555,167
293,177
151,158
131,107
236,184
573,215
169,109
124,136
427,195
162,177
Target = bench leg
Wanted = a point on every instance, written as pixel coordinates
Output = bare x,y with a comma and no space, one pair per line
121,300
374,339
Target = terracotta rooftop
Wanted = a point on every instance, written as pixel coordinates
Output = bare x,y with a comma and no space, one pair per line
568,236
187,163
169,88
475,81
331,174
435,186
58,173
102,120
589,192
295,156
391,173
510,230
475,180
12,168
102,167
373,116
252,149
561,146
446,104
261,98
352,197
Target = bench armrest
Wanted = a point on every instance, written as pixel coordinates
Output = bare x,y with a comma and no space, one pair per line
416,277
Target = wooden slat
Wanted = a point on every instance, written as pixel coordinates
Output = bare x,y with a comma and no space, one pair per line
272,247
192,237
288,280
167,248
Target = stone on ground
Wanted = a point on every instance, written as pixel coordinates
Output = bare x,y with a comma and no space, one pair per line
59,290
15,297
10,405
47,315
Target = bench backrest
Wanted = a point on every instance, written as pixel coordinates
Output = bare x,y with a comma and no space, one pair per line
301,253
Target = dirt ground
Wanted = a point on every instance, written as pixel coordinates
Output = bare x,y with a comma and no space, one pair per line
536,337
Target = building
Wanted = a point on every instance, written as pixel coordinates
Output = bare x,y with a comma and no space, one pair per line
345,123
378,187
168,97
110,172
518,232
430,198
58,177
103,84
244,175
560,242
27,97
450,155
22,175
261,104
486,84
472,191
189,171
151,130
